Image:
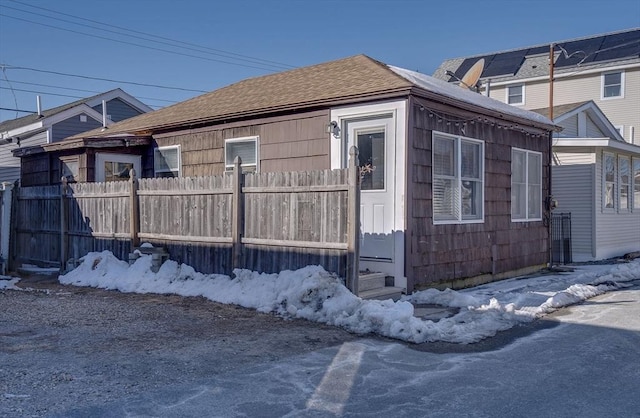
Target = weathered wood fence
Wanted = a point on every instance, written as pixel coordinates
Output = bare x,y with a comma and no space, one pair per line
259,221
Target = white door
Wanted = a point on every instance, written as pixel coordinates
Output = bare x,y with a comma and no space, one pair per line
375,139
116,167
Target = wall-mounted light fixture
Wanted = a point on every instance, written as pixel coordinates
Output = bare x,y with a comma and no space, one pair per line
334,129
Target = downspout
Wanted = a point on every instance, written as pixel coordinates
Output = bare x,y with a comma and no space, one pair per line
549,199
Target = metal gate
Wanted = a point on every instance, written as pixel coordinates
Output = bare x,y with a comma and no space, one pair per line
561,238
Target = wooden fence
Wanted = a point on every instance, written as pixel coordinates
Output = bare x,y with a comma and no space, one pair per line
259,221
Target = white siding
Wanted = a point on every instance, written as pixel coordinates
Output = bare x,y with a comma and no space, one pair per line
572,187
570,127
566,158
10,165
617,233
592,130
582,87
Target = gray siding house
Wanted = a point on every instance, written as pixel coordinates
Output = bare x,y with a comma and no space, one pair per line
596,178
54,125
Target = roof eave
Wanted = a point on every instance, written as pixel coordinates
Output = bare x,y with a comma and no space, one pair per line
484,111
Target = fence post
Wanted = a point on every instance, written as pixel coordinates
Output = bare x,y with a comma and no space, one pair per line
64,217
236,215
353,222
5,227
134,216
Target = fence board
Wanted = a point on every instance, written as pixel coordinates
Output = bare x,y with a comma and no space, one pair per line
287,220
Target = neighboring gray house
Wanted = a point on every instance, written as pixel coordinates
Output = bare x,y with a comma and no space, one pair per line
596,178
53,125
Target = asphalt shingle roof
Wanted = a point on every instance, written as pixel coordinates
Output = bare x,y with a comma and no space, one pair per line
353,77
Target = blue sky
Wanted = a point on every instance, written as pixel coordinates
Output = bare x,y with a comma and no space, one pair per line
414,34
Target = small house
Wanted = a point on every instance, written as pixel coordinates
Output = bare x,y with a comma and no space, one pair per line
455,185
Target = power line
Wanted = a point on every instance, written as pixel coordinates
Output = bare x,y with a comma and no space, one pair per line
198,48
135,44
17,110
11,67
86,91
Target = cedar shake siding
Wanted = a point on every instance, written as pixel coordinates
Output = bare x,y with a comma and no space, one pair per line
437,253
289,143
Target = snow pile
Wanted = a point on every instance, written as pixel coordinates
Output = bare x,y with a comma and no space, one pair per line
7,282
313,294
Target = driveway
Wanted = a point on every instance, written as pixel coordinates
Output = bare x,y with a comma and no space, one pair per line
66,347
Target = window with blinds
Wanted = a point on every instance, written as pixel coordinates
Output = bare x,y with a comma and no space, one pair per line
458,179
166,161
526,185
245,148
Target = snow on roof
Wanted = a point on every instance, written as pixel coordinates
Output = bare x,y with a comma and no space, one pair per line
449,90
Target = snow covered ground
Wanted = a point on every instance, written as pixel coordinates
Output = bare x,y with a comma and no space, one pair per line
313,294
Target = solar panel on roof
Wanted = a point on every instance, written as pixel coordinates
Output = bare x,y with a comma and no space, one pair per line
583,51
619,45
507,63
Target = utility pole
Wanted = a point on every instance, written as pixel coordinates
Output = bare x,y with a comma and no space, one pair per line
551,57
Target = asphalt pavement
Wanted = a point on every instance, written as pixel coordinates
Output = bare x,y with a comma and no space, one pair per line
582,361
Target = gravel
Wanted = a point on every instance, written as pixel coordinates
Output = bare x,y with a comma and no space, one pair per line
66,347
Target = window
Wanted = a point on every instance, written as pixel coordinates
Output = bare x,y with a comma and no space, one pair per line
526,185
612,85
166,161
624,167
116,167
515,94
458,177
636,183
117,171
609,187
70,168
246,149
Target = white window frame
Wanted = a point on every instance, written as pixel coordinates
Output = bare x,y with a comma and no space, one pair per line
528,184
177,171
458,140
602,85
245,166
624,206
103,157
614,183
508,95
635,184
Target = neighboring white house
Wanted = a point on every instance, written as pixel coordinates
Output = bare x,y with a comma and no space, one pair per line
603,68
596,178
58,123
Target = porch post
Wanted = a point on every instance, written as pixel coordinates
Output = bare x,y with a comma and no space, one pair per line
353,222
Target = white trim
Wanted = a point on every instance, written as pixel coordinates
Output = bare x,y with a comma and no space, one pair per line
602,86
119,94
507,95
597,142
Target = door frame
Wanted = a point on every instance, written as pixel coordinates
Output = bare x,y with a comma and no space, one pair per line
396,110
